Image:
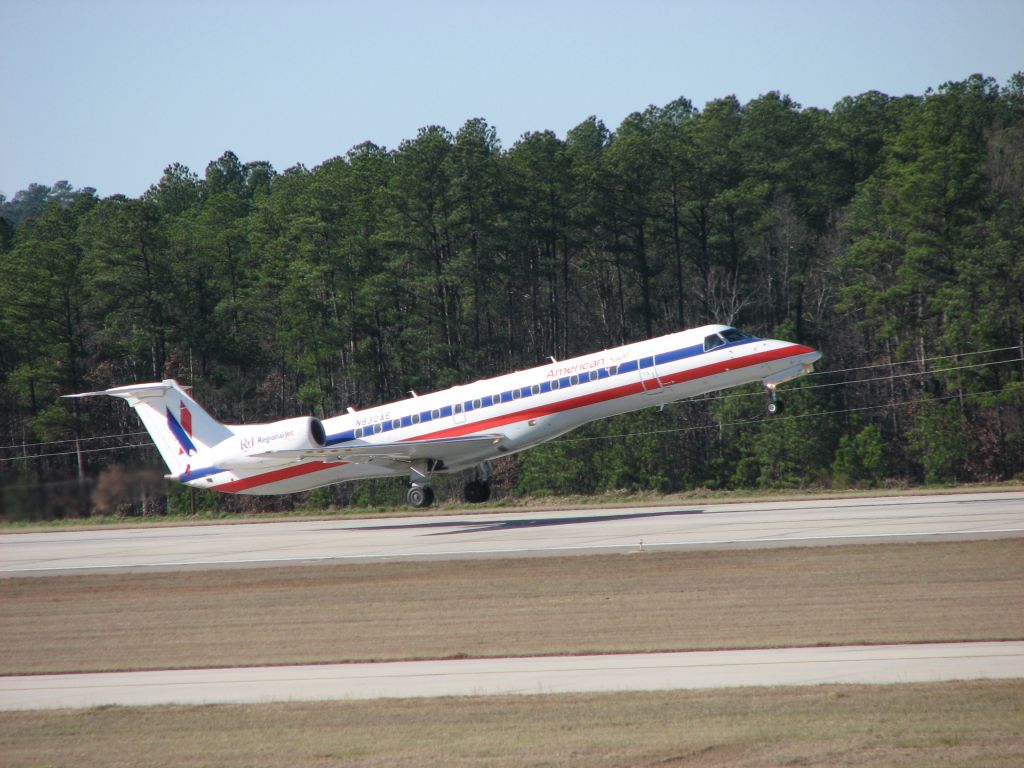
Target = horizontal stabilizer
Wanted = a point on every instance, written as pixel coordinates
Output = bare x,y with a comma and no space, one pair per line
132,391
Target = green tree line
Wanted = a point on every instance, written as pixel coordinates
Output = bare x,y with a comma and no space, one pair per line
887,232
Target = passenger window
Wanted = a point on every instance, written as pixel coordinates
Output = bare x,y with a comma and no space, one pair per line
477,403
378,428
435,414
535,389
713,341
358,433
574,379
415,418
593,375
516,394
396,423
556,384
458,407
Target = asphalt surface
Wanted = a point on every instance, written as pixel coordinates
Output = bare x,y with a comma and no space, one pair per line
517,534
556,674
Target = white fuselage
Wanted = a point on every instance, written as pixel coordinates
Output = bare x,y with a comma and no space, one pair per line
528,407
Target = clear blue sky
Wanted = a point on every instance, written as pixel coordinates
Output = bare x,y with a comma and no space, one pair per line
106,93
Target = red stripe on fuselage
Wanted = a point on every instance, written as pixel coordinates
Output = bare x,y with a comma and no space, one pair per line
296,470
625,390
536,412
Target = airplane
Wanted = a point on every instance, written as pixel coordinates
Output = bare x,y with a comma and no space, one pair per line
458,429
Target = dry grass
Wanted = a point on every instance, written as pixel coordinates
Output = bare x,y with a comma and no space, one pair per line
666,601
963,724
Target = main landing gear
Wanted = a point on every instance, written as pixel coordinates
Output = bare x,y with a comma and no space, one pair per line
775,405
476,491
421,495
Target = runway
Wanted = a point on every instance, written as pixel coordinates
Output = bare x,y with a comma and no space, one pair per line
517,534
543,675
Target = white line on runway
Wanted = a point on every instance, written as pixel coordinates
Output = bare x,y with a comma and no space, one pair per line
556,674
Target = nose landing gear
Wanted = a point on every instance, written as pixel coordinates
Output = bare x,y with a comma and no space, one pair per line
781,377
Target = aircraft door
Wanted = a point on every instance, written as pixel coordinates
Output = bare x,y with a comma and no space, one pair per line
649,378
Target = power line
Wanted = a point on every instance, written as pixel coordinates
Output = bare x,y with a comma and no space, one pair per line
888,377
915,373
771,419
916,362
740,422
688,400
69,440
75,453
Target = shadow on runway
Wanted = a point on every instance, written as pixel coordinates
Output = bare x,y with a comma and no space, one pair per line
447,527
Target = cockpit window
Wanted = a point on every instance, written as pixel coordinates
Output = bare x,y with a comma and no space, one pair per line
731,334
713,341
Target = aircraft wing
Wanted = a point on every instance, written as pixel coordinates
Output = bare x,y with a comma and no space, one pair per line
448,450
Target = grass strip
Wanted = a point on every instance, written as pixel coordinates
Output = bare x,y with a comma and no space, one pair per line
978,723
884,593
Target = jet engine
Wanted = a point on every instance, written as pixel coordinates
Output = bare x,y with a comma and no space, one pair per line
251,443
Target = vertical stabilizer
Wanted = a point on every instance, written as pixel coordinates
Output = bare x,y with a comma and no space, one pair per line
178,424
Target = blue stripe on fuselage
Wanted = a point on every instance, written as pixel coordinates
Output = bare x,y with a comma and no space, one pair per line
603,373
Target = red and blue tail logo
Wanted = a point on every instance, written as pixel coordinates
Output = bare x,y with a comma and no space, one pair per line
182,430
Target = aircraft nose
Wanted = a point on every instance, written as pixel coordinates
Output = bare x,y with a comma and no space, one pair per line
805,355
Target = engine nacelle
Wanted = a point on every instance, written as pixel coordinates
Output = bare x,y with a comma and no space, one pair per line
250,440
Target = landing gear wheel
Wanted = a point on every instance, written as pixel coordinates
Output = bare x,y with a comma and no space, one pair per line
476,492
775,407
421,496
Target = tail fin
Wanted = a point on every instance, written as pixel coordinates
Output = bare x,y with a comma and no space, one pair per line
178,424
